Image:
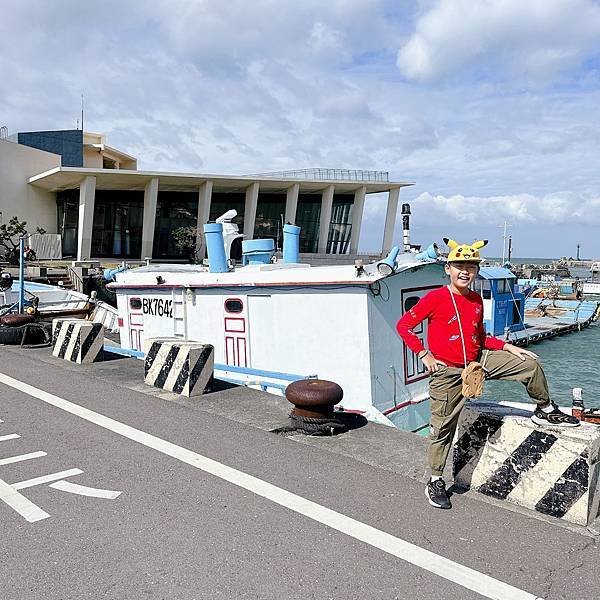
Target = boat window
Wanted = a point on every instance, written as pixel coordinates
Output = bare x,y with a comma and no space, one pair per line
486,289
135,303
234,305
410,302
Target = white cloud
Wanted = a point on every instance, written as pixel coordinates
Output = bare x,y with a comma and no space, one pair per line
520,209
537,39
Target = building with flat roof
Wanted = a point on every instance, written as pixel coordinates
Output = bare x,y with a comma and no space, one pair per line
73,184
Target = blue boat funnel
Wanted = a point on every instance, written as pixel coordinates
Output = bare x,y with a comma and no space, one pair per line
291,243
215,247
430,253
388,264
258,252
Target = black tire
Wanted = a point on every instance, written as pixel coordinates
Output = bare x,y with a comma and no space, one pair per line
10,336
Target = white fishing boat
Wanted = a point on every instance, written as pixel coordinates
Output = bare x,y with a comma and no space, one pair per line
334,322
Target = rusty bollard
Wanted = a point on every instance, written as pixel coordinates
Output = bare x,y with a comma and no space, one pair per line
313,401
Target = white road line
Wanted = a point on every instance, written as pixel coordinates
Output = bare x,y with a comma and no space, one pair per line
20,457
10,436
84,490
468,578
21,485
26,508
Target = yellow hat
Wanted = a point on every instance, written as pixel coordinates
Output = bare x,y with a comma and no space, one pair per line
464,252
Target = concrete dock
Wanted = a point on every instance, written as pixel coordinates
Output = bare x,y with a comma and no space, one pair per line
126,491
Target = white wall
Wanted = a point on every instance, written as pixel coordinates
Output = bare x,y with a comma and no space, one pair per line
92,158
17,197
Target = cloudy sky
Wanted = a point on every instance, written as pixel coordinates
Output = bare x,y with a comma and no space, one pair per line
490,106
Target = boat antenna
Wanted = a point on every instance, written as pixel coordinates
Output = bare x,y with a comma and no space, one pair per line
406,227
504,236
509,247
82,111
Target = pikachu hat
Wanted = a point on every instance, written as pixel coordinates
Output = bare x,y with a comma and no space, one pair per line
464,252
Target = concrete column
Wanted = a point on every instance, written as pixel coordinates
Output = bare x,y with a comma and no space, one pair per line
326,206
250,210
87,195
390,220
357,214
204,199
291,203
149,218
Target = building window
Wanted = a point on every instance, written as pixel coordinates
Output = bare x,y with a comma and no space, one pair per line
308,216
221,202
67,204
340,226
173,210
117,229
270,213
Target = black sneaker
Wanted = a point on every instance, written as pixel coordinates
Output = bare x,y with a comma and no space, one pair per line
556,418
436,494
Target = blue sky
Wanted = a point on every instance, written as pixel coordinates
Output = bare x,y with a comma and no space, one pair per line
489,106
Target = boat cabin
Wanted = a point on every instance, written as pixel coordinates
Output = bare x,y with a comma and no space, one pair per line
503,305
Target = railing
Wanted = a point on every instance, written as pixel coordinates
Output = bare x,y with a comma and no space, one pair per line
329,175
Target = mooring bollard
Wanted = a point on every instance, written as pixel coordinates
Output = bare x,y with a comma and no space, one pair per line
78,340
178,366
501,453
313,401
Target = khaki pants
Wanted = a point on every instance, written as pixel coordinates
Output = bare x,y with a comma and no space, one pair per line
447,401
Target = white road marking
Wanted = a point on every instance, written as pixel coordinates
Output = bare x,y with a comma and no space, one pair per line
84,490
464,576
20,457
10,436
21,485
26,508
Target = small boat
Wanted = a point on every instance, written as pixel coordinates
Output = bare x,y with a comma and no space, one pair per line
520,320
47,302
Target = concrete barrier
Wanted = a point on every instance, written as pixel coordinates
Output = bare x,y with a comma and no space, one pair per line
77,340
181,367
500,452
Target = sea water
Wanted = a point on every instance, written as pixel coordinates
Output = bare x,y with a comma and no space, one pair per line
569,360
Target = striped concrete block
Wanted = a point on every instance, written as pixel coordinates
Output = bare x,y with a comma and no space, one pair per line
501,453
185,368
77,340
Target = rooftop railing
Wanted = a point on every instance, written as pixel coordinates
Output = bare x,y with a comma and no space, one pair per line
329,175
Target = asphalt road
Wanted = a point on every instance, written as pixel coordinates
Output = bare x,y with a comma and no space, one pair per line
177,531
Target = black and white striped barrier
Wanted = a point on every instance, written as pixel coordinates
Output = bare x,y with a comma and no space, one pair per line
181,367
500,452
77,340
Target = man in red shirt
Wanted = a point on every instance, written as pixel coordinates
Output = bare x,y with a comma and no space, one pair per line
456,337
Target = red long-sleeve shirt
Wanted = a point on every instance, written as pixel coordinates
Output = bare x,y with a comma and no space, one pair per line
443,331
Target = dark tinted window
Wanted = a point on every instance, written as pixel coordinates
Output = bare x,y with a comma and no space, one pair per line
135,303
234,305
410,302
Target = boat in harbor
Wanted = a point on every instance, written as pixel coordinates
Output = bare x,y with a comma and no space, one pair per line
46,302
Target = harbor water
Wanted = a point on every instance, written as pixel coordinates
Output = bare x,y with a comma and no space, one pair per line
569,360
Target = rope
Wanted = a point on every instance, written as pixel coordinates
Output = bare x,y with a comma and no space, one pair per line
312,426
